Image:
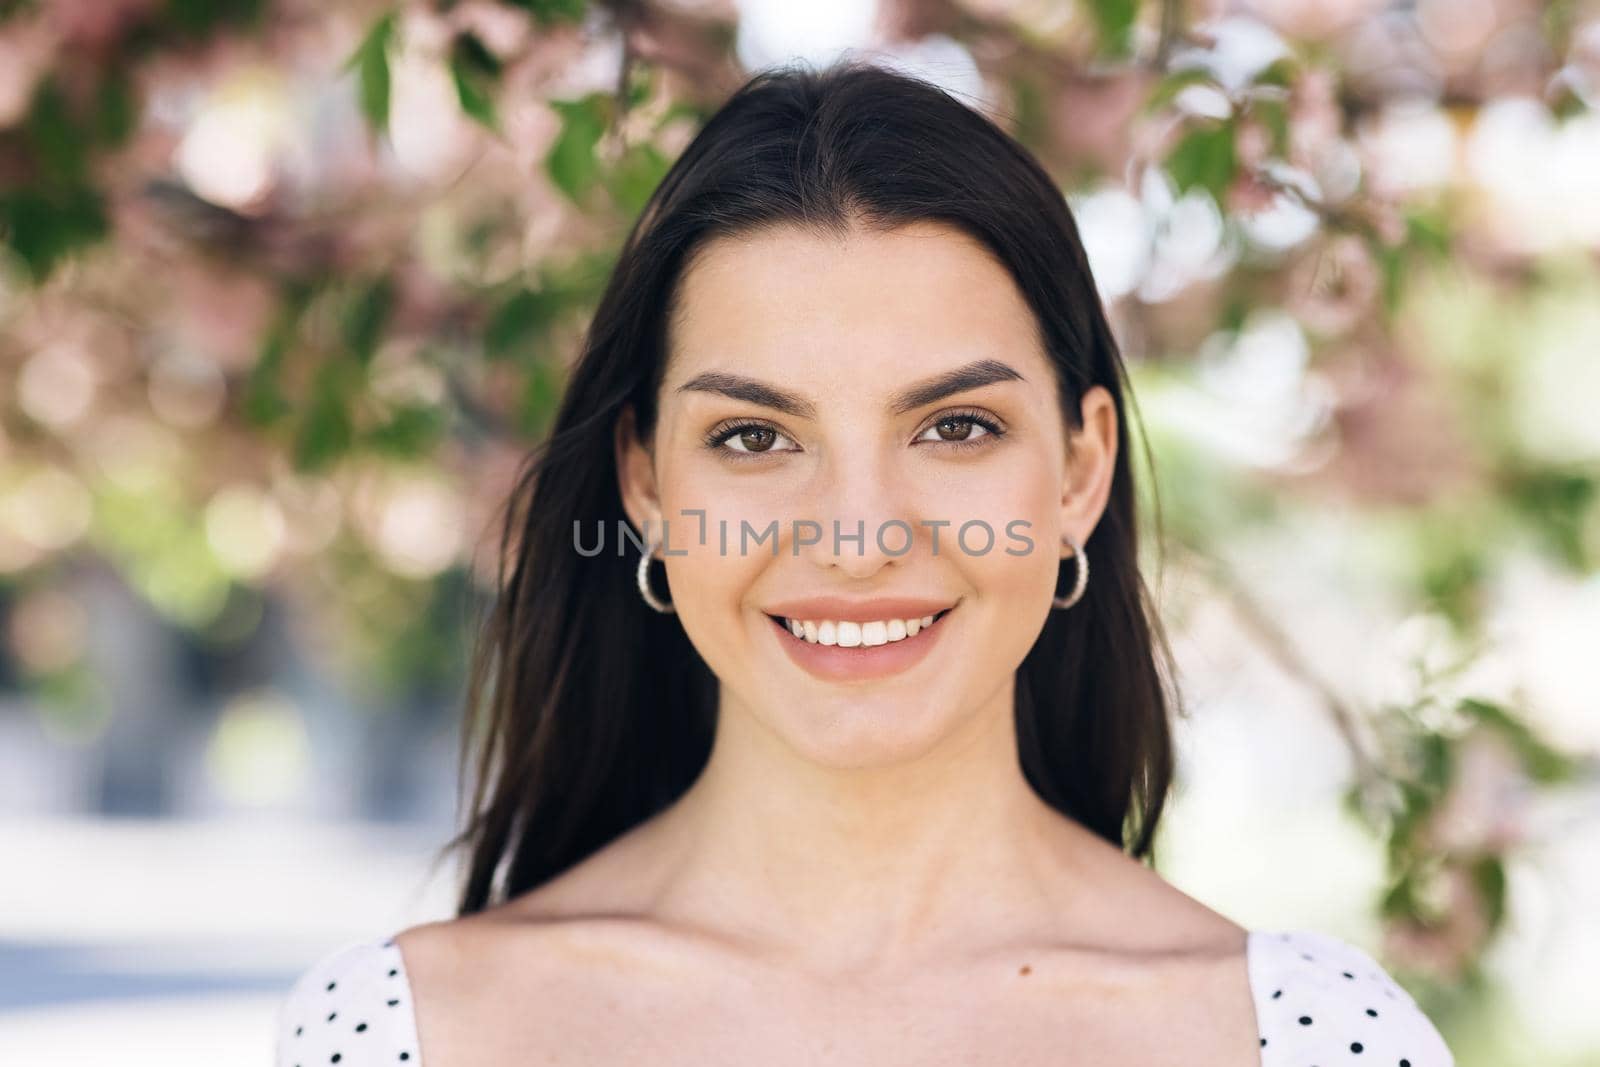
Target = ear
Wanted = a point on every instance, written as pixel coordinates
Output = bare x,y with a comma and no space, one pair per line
636,475
1091,467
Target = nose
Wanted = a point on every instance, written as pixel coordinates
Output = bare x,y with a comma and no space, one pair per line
858,516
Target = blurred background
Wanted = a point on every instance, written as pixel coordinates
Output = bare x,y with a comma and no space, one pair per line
287,289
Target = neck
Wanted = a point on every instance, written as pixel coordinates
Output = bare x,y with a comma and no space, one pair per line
847,868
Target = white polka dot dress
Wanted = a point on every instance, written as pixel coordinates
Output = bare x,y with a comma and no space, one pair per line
1319,1002
1322,1002
352,1008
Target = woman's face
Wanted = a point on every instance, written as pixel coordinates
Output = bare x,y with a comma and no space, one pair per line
811,383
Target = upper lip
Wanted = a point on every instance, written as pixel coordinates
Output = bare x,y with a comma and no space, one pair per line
842,610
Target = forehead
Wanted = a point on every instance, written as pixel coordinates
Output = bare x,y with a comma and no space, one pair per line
803,305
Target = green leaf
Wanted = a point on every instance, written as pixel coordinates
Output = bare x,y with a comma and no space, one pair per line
636,177
682,109
1114,19
640,83
1436,764
1489,873
115,112
1280,71
526,313
411,432
200,17
1029,119
476,73
366,317
541,392
264,402
1205,157
43,228
1399,900
1557,503
1543,763
552,12
1568,103
59,146
571,163
1168,88
1274,114
1391,262
371,63
325,433
1235,309
1428,232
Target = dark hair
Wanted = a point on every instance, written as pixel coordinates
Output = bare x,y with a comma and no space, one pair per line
587,711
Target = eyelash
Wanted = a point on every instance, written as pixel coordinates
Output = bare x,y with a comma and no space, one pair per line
722,432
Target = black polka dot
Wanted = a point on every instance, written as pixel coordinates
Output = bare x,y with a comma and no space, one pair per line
335,1058
392,1003
299,1030
332,1015
393,971
1298,979
331,985
360,1027
405,1055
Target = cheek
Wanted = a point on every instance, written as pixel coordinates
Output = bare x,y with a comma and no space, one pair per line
702,498
1014,514
1011,504
711,581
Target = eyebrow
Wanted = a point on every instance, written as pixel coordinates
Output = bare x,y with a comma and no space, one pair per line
979,373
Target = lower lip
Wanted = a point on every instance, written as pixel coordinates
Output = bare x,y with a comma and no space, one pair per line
834,664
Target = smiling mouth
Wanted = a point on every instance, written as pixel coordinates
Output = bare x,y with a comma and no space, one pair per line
865,635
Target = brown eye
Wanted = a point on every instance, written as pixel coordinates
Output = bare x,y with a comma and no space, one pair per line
955,429
751,439
755,439
958,429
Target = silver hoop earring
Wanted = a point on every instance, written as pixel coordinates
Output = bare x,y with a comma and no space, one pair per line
1083,575
644,582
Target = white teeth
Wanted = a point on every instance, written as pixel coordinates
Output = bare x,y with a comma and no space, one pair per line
847,634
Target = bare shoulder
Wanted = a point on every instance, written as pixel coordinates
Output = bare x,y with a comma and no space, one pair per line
1151,911
512,942
491,987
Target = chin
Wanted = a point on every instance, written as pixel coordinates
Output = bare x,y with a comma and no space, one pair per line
846,732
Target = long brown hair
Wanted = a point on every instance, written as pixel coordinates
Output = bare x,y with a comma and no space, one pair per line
588,712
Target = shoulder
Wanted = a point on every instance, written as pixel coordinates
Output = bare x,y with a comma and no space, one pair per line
352,1007
1317,995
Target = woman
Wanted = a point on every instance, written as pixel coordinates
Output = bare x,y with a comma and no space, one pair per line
856,775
